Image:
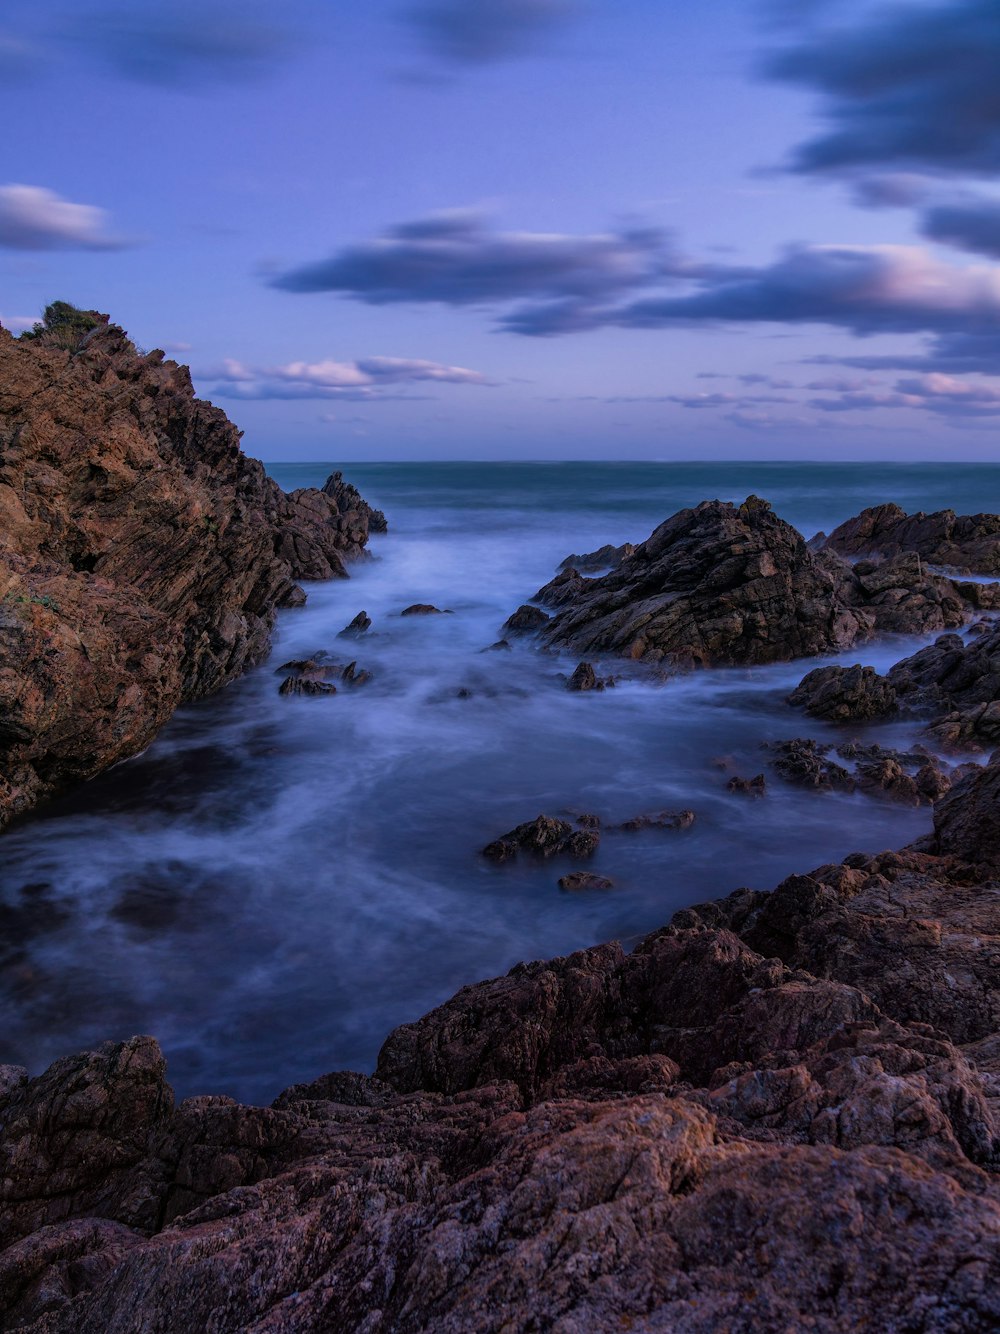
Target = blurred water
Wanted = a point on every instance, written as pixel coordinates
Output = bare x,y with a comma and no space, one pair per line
277,882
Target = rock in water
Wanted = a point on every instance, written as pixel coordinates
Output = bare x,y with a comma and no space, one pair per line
359,626
543,837
577,880
525,621
142,554
845,694
966,543
723,584
607,557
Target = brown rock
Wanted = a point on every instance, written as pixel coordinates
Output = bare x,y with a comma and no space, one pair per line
527,620
359,626
748,787
142,555
845,694
543,837
968,543
577,880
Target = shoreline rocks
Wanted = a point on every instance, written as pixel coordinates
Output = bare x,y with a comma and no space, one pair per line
143,556
594,1139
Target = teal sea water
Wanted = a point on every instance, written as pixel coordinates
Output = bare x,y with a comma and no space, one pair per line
277,882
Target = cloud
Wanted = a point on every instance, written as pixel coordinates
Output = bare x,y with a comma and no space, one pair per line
32,218
458,259
890,189
184,43
935,392
367,378
909,85
971,224
481,32
864,289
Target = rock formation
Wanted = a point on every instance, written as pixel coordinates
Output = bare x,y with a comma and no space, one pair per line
722,584
953,683
778,1112
966,543
142,555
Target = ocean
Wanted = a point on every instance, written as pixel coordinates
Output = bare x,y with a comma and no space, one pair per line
277,882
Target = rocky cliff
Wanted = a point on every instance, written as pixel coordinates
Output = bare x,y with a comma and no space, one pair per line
142,554
780,1112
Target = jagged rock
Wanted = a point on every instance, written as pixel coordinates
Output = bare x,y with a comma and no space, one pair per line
845,694
527,620
348,500
659,820
142,555
585,678
359,626
805,763
747,1122
501,646
305,685
968,543
577,880
608,557
724,584
959,684
748,787
543,837
424,609
967,820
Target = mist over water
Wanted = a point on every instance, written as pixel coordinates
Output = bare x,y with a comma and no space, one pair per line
277,882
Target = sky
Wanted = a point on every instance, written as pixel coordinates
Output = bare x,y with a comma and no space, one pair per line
526,229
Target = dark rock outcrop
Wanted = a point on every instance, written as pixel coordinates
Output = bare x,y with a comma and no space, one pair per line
544,837
722,584
577,880
527,620
966,543
608,557
142,554
423,609
360,625
845,694
957,683
778,1112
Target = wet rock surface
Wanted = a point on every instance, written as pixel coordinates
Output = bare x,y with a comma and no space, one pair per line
966,543
845,694
724,584
778,1112
142,555
608,557
544,837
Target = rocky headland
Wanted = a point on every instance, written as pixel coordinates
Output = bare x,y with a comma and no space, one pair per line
142,554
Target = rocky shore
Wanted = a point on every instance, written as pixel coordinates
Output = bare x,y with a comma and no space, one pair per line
142,554
781,1111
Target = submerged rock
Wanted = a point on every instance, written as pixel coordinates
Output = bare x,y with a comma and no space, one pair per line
659,820
577,880
142,554
424,609
748,787
306,685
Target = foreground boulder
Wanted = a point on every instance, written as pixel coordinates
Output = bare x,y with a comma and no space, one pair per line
966,543
723,584
845,694
142,554
778,1112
